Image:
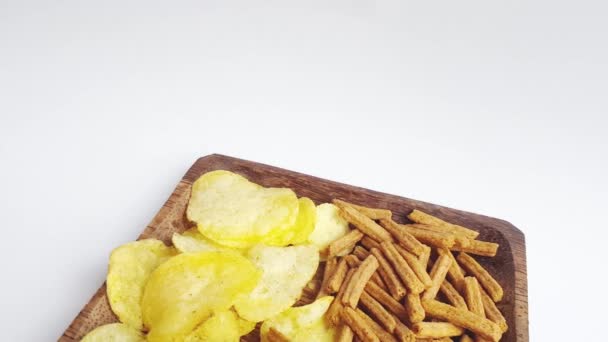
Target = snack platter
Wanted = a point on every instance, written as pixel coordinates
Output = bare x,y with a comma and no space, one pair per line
500,278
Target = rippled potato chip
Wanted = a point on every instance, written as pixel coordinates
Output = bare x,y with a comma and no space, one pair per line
184,291
329,226
192,241
235,212
318,332
303,323
305,224
128,271
245,327
194,233
299,232
285,272
114,332
223,326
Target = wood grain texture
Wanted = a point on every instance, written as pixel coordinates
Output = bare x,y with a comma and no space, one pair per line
509,265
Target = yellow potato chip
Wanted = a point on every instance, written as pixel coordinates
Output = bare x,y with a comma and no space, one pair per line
303,323
223,326
191,243
235,212
129,269
285,272
193,232
329,226
318,332
114,332
188,288
307,217
299,232
245,327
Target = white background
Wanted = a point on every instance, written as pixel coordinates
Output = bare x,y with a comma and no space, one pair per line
495,107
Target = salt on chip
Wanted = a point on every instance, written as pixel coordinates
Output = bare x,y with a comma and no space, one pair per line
114,332
128,271
285,272
303,323
223,326
235,212
184,291
329,226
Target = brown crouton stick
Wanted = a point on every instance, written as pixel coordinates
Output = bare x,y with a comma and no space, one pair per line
365,224
372,213
356,285
359,325
396,289
330,266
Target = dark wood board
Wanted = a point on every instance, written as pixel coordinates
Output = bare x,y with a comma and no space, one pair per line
509,265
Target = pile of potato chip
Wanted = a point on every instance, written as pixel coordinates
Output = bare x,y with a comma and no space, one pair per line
253,250
247,260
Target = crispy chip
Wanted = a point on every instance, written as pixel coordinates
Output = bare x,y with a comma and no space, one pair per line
114,332
298,232
330,226
234,212
305,224
320,331
129,269
303,323
223,326
188,288
285,272
192,241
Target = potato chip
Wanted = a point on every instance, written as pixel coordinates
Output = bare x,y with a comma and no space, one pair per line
302,323
307,218
299,232
188,288
114,332
329,226
129,269
188,244
223,326
193,232
245,327
319,332
235,212
285,272
192,241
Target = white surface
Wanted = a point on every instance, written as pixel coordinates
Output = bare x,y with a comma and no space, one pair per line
492,107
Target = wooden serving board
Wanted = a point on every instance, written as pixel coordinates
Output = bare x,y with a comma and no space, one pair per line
509,265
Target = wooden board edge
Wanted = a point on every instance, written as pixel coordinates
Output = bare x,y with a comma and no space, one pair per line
517,241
